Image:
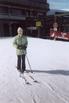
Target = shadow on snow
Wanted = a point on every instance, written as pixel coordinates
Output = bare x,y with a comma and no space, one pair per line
58,72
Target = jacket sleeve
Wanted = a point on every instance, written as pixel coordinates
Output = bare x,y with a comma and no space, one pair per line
26,42
15,42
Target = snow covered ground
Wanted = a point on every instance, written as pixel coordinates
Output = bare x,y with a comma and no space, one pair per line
50,62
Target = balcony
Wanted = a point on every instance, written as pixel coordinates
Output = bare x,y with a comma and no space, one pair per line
11,17
41,4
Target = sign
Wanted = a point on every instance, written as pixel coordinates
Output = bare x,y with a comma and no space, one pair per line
38,23
32,28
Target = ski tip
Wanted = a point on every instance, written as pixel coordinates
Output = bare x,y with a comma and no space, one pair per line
31,71
28,83
36,81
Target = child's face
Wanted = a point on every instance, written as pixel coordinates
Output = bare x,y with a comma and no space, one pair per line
20,32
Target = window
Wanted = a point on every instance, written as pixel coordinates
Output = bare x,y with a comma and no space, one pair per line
3,10
15,11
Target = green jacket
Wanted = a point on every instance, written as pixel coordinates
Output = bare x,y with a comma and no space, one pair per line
20,44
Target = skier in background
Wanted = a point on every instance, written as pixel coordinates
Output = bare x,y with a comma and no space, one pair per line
20,42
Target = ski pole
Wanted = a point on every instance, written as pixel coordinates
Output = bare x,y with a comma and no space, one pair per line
29,64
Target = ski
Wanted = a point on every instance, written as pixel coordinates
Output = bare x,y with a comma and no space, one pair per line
34,80
30,76
26,81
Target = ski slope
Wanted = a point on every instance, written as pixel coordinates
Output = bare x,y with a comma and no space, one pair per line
50,62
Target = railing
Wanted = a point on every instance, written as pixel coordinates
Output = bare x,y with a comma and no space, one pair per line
21,1
59,35
12,17
31,3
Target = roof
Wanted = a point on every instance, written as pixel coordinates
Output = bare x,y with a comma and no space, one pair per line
57,12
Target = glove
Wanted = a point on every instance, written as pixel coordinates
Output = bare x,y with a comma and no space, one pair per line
19,47
22,47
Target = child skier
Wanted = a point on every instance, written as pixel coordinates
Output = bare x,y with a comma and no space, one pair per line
20,42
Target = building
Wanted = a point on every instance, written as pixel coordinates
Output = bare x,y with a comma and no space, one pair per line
30,14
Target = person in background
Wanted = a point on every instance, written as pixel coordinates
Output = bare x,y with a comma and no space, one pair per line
20,43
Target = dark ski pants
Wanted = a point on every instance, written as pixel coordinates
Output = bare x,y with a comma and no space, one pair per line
21,63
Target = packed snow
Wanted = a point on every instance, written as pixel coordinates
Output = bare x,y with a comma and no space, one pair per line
49,60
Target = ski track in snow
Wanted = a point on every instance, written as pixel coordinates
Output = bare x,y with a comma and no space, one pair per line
55,92
50,89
